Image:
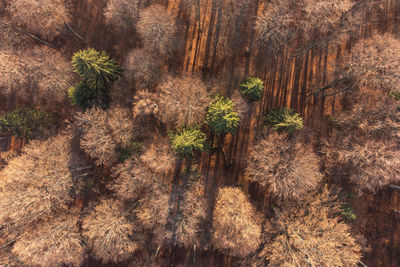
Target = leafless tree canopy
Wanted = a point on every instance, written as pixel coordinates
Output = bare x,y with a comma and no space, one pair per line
13,73
108,232
132,180
374,63
158,156
182,101
37,184
308,235
142,69
144,105
122,14
236,228
157,28
104,131
43,17
287,168
55,243
51,73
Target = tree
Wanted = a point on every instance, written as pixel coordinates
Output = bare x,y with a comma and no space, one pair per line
187,223
160,150
221,116
13,73
187,141
144,105
104,132
25,123
252,88
236,228
242,106
122,14
157,28
309,234
37,184
50,72
374,63
288,168
96,68
182,101
142,69
108,232
283,119
44,17
132,180
55,243
82,95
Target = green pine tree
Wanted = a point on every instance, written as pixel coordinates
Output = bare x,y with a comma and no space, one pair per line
82,95
96,68
252,88
187,141
283,119
222,117
25,123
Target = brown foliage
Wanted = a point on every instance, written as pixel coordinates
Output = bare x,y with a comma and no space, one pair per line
191,215
55,243
10,38
308,235
13,73
142,69
158,156
287,167
236,229
242,106
108,232
50,72
122,14
374,63
132,179
157,28
43,17
36,184
104,131
182,101
144,105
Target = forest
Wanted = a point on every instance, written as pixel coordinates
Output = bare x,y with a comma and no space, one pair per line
200,133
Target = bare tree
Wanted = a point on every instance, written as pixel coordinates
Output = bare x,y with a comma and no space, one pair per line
187,223
374,63
11,38
182,101
157,28
141,69
144,105
288,168
36,185
309,235
54,243
13,73
50,72
122,14
242,106
108,232
44,17
158,156
103,132
236,228
132,180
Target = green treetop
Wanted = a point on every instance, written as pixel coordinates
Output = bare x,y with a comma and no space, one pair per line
283,119
187,141
252,88
95,67
25,123
221,116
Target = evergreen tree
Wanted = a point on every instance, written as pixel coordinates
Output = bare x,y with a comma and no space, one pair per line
283,119
82,95
96,68
252,88
25,123
222,117
187,141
